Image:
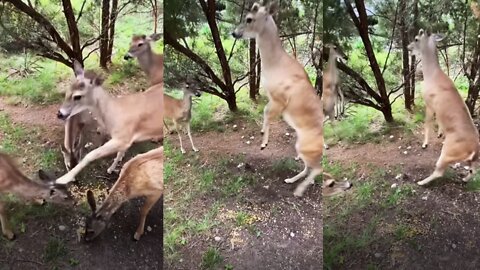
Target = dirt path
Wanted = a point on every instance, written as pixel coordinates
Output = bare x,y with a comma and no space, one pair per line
432,227
288,232
114,249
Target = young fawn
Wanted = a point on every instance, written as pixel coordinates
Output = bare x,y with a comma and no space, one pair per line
443,101
15,182
140,176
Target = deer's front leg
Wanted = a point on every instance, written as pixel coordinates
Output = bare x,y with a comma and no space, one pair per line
111,147
117,159
5,227
428,126
147,205
270,111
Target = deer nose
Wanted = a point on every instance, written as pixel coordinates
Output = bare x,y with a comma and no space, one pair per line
127,57
60,115
235,35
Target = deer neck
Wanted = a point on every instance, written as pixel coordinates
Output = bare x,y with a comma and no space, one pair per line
187,105
114,200
332,65
269,44
145,60
430,63
102,105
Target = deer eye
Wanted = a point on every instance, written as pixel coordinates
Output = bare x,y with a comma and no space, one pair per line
140,44
416,39
249,20
77,98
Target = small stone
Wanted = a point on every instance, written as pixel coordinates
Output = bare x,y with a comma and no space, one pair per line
248,142
394,185
456,166
292,234
405,152
62,227
149,229
266,187
243,137
253,137
424,198
454,246
400,147
287,134
399,176
391,137
218,238
409,147
234,126
240,165
378,255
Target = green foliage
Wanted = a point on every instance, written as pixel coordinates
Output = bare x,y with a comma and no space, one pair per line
211,258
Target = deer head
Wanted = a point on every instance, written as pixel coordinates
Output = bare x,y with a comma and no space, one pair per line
140,44
79,97
255,21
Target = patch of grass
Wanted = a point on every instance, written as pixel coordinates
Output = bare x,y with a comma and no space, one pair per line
365,191
211,259
13,135
403,232
285,165
55,250
234,186
398,194
474,183
50,158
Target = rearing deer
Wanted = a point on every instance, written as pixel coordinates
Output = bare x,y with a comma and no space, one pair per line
140,176
289,92
127,119
443,100
15,182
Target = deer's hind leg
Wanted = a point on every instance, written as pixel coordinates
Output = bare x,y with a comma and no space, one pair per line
117,159
147,206
6,231
442,163
178,129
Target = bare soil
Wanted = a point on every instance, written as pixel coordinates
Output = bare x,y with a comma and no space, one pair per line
115,248
288,234
441,219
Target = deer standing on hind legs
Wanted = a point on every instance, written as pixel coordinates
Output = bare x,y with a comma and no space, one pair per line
461,143
140,176
127,119
14,182
289,92
331,89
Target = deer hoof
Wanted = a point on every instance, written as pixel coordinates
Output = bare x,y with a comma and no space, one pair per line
298,193
183,151
10,236
195,150
263,146
424,146
137,236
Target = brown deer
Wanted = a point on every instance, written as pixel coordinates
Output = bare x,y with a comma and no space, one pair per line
13,181
150,62
140,176
127,119
461,143
289,92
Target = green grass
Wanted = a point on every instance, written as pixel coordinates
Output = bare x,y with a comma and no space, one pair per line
55,250
211,259
398,194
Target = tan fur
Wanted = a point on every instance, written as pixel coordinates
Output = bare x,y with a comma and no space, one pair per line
127,119
150,62
289,92
142,176
15,182
443,100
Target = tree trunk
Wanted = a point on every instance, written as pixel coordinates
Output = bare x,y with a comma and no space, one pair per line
473,79
413,60
104,34
232,102
155,15
72,29
111,34
252,78
405,57
361,23
210,14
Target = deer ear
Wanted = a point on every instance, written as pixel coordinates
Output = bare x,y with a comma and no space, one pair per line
255,7
78,69
91,201
97,81
421,32
44,176
155,36
438,37
272,7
